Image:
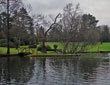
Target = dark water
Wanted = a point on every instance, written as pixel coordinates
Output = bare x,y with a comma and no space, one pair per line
84,70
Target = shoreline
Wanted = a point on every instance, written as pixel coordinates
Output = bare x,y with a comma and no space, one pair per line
49,55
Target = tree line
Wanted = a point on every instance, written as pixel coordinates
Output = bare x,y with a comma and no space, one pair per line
72,27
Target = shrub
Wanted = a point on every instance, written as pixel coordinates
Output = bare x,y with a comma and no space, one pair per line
55,46
39,48
32,46
0,52
12,45
48,48
3,41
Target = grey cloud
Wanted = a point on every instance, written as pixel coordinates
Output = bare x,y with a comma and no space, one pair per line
98,8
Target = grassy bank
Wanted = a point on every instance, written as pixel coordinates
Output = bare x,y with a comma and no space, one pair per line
3,50
99,47
96,48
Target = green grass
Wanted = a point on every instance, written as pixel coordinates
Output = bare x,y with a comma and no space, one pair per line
3,50
53,43
99,47
96,48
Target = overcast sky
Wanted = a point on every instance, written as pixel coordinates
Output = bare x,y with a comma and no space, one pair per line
99,8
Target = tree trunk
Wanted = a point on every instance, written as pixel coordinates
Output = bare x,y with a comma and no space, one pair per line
65,47
8,33
43,46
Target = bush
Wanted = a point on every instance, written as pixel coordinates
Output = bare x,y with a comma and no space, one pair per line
12,45
32,46
48,48
0,52
39,48
55,46
3,41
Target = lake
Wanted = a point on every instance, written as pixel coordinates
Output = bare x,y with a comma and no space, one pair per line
80,70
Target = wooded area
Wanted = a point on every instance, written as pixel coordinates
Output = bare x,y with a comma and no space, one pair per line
72,27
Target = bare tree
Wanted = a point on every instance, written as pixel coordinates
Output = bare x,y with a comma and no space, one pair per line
41,22
77,29
70,26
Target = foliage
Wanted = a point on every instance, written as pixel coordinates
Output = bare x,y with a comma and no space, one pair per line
48,48
90,48
3,41
22,28
55,46
33,46
105,34
12,45
74,30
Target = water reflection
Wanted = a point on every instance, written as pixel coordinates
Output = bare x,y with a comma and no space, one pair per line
83,70
16,70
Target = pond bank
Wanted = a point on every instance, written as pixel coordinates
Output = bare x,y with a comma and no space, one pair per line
19,54
49,55
96,52
38,55
53,55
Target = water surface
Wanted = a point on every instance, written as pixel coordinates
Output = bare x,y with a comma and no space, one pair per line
83,70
